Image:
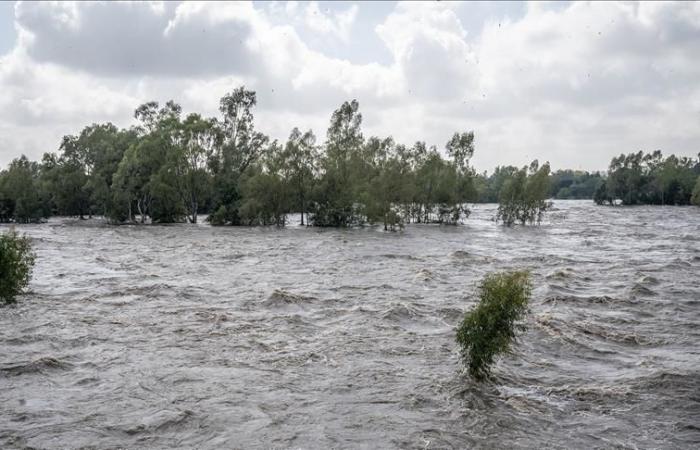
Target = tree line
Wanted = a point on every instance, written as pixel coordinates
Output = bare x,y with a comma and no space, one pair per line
172,167
650,179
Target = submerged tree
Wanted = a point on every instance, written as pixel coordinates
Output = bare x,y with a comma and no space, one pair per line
523,197
240,146
639,178
300,158
489,329
334,195
696,193
21,196
16,262
200,138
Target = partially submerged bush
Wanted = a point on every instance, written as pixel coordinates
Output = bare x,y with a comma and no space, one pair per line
16,262
489,329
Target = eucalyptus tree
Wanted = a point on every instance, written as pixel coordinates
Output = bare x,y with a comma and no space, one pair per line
438,189
461,149
334,200
19,192
90,160
389,187
523,197
266,193
105,145
139,184
71,187
695,200
301,157
240,146
639,178
198,139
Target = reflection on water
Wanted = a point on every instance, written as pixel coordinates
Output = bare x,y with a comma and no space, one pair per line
198,337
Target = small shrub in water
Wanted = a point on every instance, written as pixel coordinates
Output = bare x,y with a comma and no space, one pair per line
16,262
489,329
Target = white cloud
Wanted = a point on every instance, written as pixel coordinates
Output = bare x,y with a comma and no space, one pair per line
337,24
571,84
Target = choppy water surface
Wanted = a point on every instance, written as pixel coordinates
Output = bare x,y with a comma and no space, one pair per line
199,337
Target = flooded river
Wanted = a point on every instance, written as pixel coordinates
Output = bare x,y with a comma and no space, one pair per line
198,337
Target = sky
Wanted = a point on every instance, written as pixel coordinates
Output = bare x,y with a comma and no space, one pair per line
570,83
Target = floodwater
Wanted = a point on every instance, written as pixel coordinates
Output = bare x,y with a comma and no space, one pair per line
198,337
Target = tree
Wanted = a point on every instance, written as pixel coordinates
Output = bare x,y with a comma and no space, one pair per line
489,329
601,195
300,158
523,197
696,193
16,262
387,185
19,191
200,138
639,178
335,194
240,146
146,176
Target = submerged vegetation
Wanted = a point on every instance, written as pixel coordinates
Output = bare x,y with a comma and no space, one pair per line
523,197
649,179
489,329
695,199
16,263
173,167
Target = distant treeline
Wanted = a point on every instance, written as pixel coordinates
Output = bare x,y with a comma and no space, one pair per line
651,179
171,168
563,184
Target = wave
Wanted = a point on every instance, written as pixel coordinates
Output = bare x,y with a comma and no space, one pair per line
40,365
401,311
159,421
281,298
399,256
641,289
424,275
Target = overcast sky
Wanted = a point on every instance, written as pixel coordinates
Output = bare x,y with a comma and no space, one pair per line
571,83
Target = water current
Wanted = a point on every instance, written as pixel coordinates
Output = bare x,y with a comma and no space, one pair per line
189,336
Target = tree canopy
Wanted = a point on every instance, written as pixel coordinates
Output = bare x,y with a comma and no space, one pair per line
173,167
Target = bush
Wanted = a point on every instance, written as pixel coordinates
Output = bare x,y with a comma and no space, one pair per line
489,329
16,262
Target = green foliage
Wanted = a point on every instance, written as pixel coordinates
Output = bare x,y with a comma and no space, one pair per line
489,329
16,263
342,169
639,178
696,193
574,184
22,199
523,197
171,168
266,190
601,195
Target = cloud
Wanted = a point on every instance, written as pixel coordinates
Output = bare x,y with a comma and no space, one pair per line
573,84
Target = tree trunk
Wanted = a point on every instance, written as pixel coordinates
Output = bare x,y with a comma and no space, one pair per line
194,207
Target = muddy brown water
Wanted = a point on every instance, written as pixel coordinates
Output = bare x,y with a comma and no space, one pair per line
197,337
